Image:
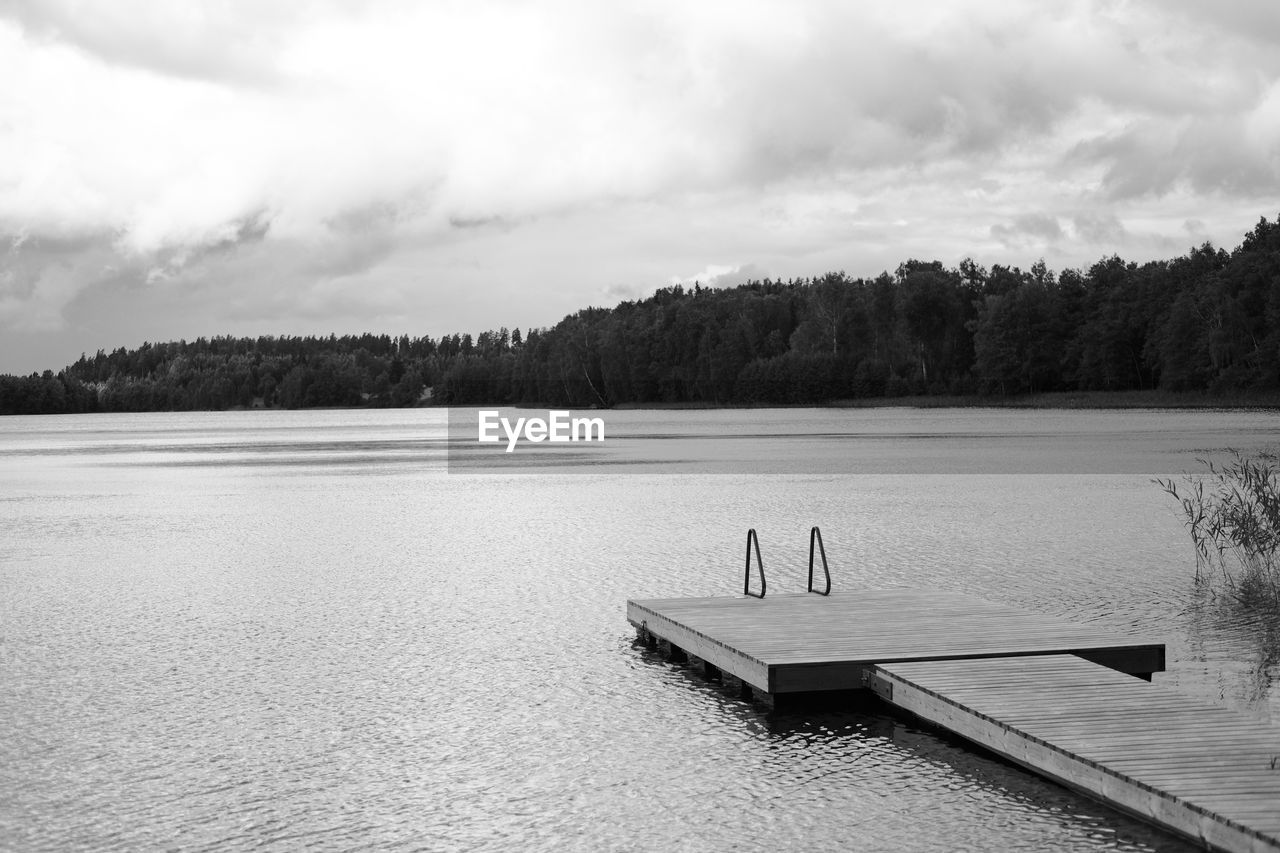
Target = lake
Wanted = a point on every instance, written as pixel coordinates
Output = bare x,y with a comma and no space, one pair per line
335,630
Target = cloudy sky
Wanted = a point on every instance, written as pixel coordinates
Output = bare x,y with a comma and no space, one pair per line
170,170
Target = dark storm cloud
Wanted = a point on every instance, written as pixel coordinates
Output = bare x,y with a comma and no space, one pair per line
1210,155
41,274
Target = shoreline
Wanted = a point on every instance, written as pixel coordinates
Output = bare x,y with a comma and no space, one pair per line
1046,400
1050,400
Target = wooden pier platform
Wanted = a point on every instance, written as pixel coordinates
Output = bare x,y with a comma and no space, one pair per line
1054,696
803,643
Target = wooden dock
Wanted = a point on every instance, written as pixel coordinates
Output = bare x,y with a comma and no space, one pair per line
1056,697
802,643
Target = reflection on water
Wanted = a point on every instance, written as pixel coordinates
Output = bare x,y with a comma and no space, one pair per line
1241,643
281,629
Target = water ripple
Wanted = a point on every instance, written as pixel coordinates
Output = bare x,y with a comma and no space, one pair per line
364,653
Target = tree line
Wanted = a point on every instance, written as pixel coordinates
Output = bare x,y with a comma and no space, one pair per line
1207,321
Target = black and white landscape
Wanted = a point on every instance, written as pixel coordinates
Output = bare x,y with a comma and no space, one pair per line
303,306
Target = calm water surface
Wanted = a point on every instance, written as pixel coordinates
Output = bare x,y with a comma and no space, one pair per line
291,630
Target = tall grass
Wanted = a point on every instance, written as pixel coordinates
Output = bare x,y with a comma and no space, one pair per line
1232,512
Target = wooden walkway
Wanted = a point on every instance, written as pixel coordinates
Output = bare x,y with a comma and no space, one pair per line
1204,771
1053,696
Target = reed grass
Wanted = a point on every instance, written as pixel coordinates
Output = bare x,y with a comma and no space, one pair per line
1232,512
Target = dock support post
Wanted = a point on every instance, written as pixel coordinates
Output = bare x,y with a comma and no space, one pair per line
739,689
674,653
735,686
708,671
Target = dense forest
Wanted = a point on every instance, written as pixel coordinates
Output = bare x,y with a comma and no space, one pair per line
1208,321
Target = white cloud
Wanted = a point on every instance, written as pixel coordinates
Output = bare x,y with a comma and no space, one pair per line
268,148
712,272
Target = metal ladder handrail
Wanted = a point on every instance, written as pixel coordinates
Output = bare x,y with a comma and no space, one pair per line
815,535
746,582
